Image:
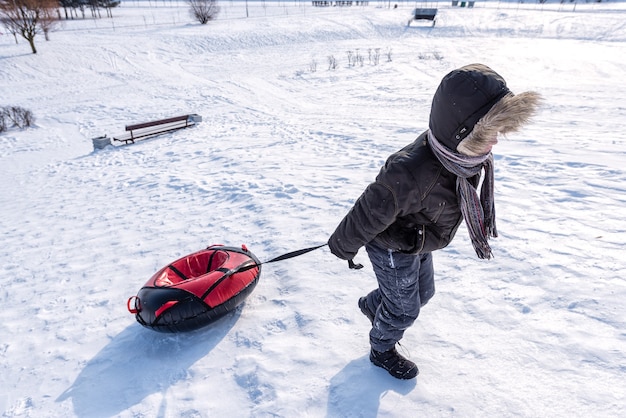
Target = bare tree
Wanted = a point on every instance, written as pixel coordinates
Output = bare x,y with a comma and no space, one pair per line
71,7
28,17
10,26
204,10
49,20
108,5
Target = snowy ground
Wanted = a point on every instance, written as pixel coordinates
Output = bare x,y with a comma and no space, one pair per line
285,148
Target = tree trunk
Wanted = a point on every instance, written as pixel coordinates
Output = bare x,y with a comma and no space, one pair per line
31,41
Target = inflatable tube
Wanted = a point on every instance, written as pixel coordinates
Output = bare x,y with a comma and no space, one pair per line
197,289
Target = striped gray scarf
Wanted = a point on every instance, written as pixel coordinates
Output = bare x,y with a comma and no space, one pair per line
479,214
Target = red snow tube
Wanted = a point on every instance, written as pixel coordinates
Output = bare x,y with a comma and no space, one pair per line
197,289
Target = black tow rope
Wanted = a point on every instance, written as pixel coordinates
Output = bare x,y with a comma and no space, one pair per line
297,253
294,254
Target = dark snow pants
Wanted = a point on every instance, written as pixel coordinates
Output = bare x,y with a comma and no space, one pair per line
405,284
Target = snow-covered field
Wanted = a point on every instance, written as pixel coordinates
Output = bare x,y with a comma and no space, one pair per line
285,147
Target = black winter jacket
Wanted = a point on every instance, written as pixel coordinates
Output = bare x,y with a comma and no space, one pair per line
411,207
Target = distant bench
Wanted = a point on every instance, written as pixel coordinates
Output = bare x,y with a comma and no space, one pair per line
156,127
470,4
327,3
423,14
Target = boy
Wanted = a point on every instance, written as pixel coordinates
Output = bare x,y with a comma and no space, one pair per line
420,197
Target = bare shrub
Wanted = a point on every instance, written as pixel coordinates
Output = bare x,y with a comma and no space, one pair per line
3,120
26,119
426,56
15,116
204,10
332,62
358,58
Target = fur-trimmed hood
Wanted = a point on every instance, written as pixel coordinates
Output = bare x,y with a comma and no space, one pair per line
472,105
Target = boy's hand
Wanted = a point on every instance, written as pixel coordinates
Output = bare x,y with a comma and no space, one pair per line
354,266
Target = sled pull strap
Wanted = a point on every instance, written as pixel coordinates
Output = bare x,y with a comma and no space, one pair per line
294,253
280,258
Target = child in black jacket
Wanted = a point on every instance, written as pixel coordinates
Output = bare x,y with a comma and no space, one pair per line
420,197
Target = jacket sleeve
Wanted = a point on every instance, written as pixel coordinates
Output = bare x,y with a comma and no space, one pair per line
371,214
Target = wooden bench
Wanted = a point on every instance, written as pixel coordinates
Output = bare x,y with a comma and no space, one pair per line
327,3
423,14
156,127
470,4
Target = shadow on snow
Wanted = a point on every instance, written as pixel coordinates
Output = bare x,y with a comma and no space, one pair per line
357,389
139,362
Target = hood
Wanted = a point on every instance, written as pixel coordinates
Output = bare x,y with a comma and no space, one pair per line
473,104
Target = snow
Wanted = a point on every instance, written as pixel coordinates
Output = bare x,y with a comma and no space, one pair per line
280,156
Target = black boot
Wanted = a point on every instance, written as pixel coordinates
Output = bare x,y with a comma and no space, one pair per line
365,310
394,363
